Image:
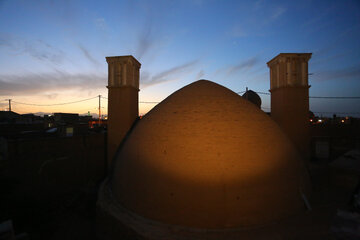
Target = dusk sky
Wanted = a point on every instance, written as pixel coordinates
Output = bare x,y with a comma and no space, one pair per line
54,51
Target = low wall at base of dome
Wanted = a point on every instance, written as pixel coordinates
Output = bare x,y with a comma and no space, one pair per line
116,222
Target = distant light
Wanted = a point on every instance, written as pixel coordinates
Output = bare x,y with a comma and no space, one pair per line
342,120
320,120
311,120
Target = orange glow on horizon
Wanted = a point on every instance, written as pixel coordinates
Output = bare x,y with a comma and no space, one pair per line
81,108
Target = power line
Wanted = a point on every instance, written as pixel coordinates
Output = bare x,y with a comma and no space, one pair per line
337,112
139,102
55,104
266,93
263,93
99,110
323,97
336,97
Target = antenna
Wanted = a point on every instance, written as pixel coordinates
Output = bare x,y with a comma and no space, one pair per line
9,104
99,109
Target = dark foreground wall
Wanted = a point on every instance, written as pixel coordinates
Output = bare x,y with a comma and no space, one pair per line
330,141
41,178
56,165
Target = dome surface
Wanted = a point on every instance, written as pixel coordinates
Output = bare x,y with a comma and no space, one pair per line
207,158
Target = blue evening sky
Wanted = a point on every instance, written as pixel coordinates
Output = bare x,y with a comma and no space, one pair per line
54,51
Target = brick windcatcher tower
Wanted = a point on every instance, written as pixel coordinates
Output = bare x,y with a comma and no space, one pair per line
290,97
123,103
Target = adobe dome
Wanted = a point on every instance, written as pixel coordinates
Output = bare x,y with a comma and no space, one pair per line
253,97
206,158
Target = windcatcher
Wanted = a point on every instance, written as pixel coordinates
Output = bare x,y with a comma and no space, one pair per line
123,103
290,97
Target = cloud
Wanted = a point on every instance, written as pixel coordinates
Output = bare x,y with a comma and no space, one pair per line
350,73
1,3
149,37
88,55
52,96
100,23
30,84
3,106
57,81
318,18
243,66
277,12
238,32
145,41
37,49
250,23
326,57
268,10
168,75
334,43
200,75
258,4
198,3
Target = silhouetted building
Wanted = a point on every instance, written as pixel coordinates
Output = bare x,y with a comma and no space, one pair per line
49,121
68,124
8,116
85,119
66,118
30,118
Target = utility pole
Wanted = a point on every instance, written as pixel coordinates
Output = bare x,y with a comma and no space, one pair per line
9,104
99,110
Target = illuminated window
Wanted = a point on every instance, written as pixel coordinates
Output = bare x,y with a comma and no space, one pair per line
69,131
